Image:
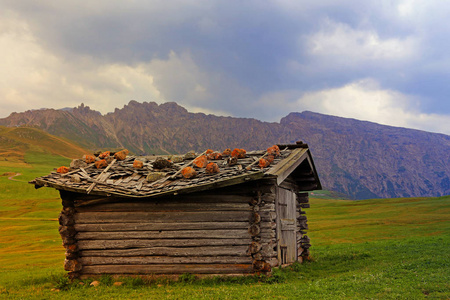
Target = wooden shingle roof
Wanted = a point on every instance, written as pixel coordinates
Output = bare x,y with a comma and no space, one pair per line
121,178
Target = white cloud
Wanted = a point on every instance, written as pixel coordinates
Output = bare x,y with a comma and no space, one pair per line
366,100
33,78
345,45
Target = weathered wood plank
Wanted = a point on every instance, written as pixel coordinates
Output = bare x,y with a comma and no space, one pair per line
161,226
226,250
165,206
181,199
122,217
163,234
197,198
169,269
147,260
137,243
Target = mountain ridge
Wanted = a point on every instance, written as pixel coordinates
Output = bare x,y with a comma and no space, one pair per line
359,158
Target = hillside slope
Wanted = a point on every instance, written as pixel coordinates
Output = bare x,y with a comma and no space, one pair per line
360,159
15,142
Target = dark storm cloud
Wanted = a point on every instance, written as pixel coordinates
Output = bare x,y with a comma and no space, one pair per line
252,58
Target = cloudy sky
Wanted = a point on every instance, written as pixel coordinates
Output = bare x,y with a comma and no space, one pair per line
381,61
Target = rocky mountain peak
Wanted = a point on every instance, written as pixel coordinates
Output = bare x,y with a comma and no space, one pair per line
357,158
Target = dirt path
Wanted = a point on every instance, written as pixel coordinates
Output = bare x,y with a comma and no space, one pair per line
15,175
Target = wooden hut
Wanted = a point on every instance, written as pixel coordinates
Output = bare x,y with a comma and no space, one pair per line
149,215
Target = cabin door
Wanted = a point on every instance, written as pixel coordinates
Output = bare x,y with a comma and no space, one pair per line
286,226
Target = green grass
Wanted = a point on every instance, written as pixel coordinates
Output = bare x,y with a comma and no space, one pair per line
413,268
370,249
343,221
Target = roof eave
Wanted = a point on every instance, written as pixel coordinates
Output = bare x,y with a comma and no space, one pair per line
247,177
285,168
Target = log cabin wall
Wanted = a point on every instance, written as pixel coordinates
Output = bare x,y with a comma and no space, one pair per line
291,196
226,231
303,241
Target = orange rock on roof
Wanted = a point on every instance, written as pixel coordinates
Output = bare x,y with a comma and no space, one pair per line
137,164
274,150
188,172
263,163
62,170
104,154
212,168
214,156
101,164
121,155
226,152
201,161
89,159
239,153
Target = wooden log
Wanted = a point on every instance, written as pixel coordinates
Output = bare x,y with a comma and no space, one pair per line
201,216
302,198
162,234
164,206
257,256
248,189
163,226
305,239
303,224
71,248
254,230
267,249
301,218
65,220
269,235
71,256
227,250
68,211
273,262
136,243
268,198
268,207
258,265
261,266
72,265
268,227
197,198
169,269
148,260
255,218
67,240
268,216
254,247
67,231
302,251
306,246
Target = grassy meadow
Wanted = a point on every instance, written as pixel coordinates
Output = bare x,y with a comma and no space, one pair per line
370,249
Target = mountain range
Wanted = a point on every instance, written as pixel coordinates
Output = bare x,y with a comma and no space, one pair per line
357,158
